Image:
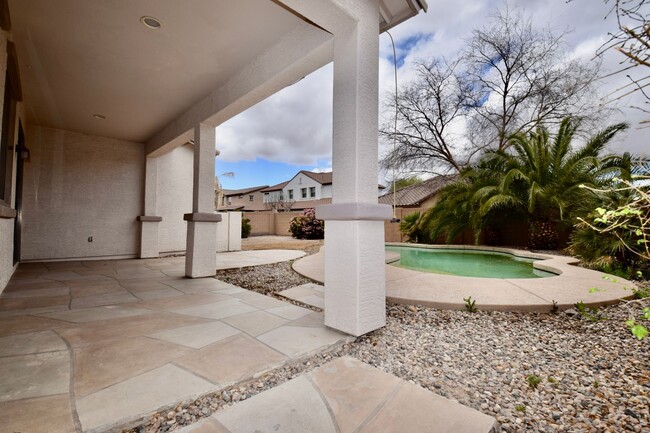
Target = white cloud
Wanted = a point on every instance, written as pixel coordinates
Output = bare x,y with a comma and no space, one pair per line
295,125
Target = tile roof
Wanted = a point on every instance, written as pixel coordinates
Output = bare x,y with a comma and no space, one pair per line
322,178
229,192
413,195
277,187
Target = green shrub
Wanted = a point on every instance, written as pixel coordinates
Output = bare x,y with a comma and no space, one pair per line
412,226
306,226
245,227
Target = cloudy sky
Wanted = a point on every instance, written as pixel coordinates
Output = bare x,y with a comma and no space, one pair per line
288,132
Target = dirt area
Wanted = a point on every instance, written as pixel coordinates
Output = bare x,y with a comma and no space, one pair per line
280,243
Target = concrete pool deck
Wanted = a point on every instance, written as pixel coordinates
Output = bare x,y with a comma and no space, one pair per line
572,285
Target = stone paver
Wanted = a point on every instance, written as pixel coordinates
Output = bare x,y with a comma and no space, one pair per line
38,415
237,357
35,342
257,322
99,366
346,395
310,294
217,310
291,407
35,375
197,336
139,395
571,285
294,341
290,312
96,313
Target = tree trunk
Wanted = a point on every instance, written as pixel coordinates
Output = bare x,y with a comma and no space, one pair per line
542,235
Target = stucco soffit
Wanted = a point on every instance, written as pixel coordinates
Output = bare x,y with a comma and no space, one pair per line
297,54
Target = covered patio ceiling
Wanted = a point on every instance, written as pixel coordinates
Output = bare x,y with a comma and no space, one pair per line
93,67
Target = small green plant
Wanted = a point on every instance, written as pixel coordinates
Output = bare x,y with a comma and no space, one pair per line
551,379
245,227
596,384
470,304
591,314
533,381
596,290
637,329
554,308
641,292
520,408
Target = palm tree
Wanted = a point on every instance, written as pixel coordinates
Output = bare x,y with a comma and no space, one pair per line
536,178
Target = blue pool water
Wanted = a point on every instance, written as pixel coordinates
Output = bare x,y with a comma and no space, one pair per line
467,263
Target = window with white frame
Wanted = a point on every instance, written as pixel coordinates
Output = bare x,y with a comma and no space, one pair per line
290,194
312,191
303,192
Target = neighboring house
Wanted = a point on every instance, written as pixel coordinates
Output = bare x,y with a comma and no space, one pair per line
306,189
413,198
100,101
421,195
248,199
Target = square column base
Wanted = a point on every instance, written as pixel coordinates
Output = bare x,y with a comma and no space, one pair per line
149,246
201,254
355,278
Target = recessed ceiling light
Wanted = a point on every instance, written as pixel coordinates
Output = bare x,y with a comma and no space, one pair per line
99,116
150,22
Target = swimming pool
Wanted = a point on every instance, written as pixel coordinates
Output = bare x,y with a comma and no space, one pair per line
467,263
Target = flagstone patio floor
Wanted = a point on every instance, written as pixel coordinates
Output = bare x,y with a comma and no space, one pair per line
95,346
85,346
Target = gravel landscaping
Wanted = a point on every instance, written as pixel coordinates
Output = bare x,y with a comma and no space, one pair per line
532,372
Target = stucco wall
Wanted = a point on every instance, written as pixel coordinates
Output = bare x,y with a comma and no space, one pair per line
6,251
175,170
261,223
299,182
77,186
229,232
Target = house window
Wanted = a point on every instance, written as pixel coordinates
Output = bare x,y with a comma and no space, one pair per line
241,196
290,194
251,198
303,192
312,191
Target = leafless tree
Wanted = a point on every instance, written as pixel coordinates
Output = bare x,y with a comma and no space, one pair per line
277,203
632,39
511,77
426,110
520,78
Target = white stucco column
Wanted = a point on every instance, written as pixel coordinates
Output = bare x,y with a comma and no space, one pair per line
201,253
149,246
354,230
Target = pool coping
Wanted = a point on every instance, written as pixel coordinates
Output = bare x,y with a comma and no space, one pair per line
571,285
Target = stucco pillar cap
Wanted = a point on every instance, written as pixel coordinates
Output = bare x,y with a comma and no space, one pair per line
199,217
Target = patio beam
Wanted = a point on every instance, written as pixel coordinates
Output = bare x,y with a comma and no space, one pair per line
299,53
